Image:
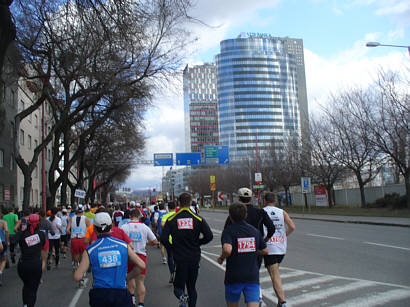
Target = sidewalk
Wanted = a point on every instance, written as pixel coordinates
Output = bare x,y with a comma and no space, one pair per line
373,220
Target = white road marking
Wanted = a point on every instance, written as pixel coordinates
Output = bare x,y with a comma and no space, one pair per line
326,293
307,282
378,298
77,295
385,245
283,276
321,236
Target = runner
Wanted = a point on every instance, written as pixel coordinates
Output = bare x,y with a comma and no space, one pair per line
170,258
277,244
141,235
31,240
4,240
241,244
88,213
11,219
108,259
54,240
46,228
77,227
256,217
161,212
185,227
64,235
117,216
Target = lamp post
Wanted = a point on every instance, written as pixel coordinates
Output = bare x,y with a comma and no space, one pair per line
376,44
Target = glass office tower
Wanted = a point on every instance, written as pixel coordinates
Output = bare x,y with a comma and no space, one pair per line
261,92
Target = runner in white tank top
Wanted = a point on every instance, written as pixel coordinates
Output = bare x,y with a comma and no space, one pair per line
277,244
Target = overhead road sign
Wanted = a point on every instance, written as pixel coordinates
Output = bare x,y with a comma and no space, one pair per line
163,159
216,154
188,158
79,193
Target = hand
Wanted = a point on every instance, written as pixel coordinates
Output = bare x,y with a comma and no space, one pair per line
220,260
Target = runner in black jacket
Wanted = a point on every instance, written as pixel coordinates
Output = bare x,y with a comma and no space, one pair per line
186,228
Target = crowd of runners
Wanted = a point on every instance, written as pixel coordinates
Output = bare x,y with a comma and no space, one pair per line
111,244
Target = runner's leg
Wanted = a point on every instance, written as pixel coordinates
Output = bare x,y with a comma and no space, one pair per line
276,281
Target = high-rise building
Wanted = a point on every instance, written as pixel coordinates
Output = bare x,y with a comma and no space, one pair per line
261,91
200,107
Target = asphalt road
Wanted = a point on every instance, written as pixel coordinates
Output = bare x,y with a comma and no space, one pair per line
327,264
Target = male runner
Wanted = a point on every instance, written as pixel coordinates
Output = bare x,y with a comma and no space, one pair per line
141,235
11,218
277,244
4,240
185,227
170,258
108,258
241,244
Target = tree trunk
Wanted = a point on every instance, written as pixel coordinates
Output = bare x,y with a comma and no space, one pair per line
329,195
407,184
361,187
64,182
27,190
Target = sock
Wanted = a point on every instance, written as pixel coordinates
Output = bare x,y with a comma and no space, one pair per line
133,300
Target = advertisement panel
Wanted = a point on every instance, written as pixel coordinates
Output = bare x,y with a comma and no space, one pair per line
320,196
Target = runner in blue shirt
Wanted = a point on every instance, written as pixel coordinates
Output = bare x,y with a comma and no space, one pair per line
108,259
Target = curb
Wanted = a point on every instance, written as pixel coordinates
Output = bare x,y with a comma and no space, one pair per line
351,222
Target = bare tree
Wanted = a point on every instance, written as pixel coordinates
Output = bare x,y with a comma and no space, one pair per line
349,134
89,57
322,149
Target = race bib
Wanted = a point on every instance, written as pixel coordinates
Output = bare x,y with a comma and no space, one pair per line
109,259
246,245
276,239
32,240
186,223
76,230
136,236
118,219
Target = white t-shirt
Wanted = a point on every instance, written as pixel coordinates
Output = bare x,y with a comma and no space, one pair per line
54,223
139,233
277,243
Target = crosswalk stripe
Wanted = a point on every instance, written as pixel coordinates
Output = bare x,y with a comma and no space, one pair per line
283,276
307,282
377,298
325,293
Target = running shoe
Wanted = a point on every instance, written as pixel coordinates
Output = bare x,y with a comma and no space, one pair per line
81,284
183,301
48,266
283,304
164,260
172,278
262,303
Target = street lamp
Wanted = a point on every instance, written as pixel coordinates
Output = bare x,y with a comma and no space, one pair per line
376,44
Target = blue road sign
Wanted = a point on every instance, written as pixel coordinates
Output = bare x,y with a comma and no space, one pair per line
163,159
216,154
188,158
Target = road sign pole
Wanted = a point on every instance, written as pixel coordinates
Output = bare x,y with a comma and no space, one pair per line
213,199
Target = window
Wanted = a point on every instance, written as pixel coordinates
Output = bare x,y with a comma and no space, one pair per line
49,155
30,117
12,130
21,137
29,141
35,121
21,106
11,162
21,194
35,144
1,158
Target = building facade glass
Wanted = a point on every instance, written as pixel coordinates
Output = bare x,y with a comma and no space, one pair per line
261,92
200,107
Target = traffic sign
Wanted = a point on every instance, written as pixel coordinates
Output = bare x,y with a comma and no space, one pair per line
213,186
212,179
258,177
79,193
163,159
216,154
221,196
305,183
188,158
259,186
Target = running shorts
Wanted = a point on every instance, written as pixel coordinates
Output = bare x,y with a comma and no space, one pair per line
77,246
64,239
131,265
3,252
250,291
46,246
272,259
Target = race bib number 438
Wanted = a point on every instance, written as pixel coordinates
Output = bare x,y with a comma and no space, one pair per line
186,223
32,240
246,245
109,259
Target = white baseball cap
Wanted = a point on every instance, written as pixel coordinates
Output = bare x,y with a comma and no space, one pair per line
244,192
102,220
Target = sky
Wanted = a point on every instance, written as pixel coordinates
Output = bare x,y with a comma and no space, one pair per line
334,34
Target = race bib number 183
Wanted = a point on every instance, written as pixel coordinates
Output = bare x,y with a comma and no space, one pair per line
246,245
186,223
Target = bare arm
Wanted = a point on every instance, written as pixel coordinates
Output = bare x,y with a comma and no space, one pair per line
288,221
264,251
68,229
226,252
6,230
17,226
83,267
153,242
1,246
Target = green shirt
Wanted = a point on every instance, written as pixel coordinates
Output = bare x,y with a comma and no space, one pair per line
89,214
11,219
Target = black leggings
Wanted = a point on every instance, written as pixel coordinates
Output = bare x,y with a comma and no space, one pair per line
56,244
186,274
30,274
